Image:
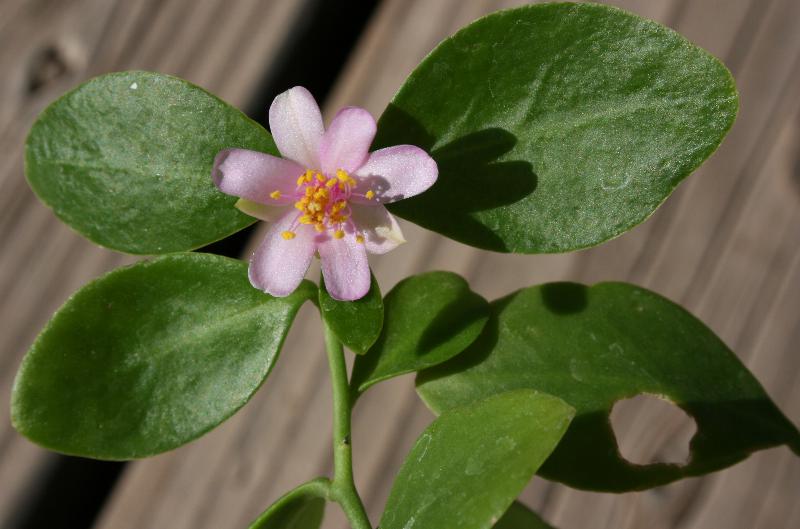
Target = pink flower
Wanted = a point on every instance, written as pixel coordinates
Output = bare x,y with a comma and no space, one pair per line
324,196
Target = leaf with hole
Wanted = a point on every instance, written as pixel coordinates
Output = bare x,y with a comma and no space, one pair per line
150,357
357,324
557,126
125,159
468,466
428,319
593,346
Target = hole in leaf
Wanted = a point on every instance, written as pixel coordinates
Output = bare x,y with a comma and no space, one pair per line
650,429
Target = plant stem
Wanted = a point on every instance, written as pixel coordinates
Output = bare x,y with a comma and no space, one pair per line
343,488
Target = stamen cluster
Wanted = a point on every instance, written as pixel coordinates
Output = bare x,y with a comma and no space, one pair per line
323,203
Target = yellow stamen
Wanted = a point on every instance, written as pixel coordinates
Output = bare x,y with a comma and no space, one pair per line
315,202
288,235
369,194
360,239
275,194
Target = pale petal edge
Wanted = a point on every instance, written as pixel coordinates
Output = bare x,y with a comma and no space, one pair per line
395,173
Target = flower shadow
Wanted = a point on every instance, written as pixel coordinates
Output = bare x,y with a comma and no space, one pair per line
472,179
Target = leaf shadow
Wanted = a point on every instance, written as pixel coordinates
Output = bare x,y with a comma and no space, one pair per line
451,321
472,178
476,353
565,297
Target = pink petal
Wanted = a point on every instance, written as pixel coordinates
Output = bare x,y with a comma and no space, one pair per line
345,145
395,173
296,125
344,267
279,265
254,175
381,231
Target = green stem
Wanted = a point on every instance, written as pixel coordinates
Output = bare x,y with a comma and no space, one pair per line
343,488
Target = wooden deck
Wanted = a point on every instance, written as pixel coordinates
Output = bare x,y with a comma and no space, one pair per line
726,245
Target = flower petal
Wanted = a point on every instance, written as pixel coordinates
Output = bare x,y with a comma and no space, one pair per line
296,125
260,211
279,265
381,231
395,173
344,267
255,175
345,145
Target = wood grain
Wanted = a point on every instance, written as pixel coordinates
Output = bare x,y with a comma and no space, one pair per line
727,245
47,47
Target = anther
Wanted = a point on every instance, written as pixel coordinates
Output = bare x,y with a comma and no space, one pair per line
369,194
288,235
275,194
338,234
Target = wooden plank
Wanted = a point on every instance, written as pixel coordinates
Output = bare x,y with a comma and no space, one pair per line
696,249
57,45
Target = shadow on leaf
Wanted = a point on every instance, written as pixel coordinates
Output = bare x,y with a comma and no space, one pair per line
565,298
451,321
472,179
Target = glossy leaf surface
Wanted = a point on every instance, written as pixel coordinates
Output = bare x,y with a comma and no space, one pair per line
357,324
428,319
593,346
557,126
470,463
150,357
125,159
301,508
520,517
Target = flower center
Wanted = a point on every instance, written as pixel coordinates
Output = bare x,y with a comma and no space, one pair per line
323,202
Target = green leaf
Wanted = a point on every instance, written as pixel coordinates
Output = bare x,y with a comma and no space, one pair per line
150,357
593,346
301,508
469,465
125,159
520,517
557,126
357,324
428,318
